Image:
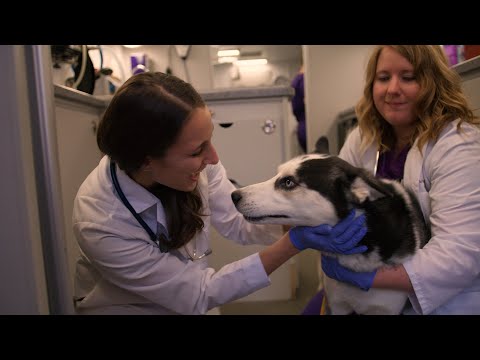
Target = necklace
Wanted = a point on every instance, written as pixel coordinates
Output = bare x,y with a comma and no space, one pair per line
194,256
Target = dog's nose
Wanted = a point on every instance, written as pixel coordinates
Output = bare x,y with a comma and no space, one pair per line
236,197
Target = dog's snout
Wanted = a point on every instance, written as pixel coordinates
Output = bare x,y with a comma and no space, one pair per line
236,197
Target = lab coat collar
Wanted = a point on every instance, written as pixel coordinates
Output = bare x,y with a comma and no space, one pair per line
413,170
139,197
415,176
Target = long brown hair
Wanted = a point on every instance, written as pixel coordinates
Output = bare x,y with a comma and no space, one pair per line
144,119
440,101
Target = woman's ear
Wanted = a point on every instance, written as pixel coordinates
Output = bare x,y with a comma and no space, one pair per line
147,164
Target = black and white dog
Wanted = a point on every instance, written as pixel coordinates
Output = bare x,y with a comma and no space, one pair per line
318,189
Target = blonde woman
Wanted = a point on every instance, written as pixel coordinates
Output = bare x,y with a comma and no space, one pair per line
415,126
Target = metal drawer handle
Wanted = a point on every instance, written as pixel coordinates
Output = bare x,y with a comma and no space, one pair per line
269,127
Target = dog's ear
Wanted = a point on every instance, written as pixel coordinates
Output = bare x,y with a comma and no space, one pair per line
365,186
322,146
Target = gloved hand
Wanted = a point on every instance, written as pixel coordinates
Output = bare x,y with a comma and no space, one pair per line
342,238
332,268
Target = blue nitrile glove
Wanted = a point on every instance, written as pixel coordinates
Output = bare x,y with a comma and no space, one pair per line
332,268
342,238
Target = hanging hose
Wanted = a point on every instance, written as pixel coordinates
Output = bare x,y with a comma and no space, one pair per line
100,53
82,69
99,47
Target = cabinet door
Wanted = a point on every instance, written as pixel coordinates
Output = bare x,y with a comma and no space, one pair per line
249,138
78,156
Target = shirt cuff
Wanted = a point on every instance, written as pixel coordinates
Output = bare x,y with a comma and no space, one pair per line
417,298
255,275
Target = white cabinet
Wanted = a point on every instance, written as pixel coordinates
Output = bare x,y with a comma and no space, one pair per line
78,153
253,135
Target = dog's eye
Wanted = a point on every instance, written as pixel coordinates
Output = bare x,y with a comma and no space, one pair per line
288,183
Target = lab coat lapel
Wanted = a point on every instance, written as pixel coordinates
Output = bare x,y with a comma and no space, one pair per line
415,178
413,168
370,159
414,175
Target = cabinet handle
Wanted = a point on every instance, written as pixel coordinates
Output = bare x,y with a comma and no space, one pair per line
222,124
269,127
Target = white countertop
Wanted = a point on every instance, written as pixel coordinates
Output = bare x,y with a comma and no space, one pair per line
208,95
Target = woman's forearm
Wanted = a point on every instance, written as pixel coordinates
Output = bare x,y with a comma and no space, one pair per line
393,277
278,253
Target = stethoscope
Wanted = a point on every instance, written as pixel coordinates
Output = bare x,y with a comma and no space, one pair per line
376,163
155,238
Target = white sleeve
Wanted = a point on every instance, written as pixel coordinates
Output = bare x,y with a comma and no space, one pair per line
450,262
137,266
351,148
225,217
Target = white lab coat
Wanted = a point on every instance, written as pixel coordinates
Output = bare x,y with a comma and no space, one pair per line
123,272
445,274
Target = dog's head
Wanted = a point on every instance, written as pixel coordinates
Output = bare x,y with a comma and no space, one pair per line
309,190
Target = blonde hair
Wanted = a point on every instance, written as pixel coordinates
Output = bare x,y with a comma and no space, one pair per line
440,100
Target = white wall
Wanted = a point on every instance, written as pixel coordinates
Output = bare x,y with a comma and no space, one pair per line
334,79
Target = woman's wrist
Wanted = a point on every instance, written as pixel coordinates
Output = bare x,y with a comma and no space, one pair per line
392,277
278,253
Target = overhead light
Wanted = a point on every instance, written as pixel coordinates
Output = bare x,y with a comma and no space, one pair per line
227,59
132,46
233,52
252,62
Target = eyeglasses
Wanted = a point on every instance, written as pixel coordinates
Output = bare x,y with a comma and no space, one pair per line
194,256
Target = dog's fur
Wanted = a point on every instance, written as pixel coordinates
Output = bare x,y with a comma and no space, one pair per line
318,189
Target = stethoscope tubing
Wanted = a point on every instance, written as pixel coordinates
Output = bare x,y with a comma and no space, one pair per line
155,238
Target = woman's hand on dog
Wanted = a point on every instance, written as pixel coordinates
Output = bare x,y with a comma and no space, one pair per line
332,268
342,238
